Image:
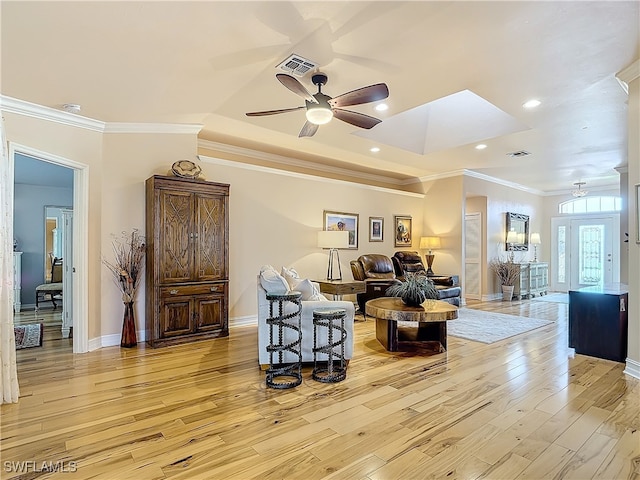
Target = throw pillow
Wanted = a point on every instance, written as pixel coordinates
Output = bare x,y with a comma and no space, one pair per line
291,276
308,290
272,281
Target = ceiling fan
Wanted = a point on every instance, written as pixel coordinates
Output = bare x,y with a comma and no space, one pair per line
322,108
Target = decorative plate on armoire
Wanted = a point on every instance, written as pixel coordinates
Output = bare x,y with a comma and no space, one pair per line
186,169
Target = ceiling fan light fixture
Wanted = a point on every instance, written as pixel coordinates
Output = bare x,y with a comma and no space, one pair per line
319,115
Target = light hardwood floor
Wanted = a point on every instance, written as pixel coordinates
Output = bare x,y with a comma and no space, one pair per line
525,407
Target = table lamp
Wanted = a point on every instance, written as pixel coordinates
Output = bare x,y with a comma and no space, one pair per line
512,237
333,240
429,243
535,241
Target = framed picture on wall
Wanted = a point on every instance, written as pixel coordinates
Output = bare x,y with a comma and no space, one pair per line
402,231
376,225
343,221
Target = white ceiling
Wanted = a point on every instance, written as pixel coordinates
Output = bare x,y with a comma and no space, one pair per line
210,62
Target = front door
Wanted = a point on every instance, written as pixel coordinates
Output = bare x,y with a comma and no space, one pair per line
585,251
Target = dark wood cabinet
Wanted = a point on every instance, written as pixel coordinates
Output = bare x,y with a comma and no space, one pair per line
187,266
598,321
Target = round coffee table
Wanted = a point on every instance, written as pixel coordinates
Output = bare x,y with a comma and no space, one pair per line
429,332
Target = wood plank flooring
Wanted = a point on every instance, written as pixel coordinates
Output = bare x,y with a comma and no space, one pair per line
525,407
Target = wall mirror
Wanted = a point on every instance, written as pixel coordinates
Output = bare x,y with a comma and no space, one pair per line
517,232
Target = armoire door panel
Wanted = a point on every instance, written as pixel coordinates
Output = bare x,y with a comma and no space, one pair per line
176,236
176,317
210,312
210,252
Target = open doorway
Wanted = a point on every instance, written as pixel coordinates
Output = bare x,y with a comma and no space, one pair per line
74,248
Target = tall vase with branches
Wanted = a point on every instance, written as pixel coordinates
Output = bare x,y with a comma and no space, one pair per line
126,268
508,273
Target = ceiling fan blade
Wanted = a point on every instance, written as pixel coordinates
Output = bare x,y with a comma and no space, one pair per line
354,118
295,86
308,130
273,112
372,93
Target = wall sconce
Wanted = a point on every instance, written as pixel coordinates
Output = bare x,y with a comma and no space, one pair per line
429,243
333,239
535,241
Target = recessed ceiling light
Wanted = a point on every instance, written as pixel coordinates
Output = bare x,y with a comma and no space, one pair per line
481,146
374,149
381,107
532,104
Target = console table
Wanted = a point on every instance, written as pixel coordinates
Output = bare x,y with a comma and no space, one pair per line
534,280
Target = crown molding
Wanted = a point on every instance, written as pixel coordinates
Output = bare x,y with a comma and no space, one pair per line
282,160
305,176
628,75
21,107
480,176
14,105
181,128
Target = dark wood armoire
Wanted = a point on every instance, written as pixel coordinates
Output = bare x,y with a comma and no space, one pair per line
187,269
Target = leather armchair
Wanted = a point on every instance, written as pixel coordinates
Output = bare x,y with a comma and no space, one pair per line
378,274
448,286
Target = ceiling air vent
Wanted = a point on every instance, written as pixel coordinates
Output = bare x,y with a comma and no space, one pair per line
521,153
297,65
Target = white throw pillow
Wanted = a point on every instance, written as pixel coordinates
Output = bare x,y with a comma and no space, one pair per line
272,281
309,290
291,276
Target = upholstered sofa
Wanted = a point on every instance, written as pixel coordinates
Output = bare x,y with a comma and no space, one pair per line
377,272
448,286
309,290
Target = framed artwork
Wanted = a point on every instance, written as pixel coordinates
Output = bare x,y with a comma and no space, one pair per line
402,231
638,213
343,221
376,225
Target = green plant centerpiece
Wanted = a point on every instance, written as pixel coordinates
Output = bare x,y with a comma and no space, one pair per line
414,290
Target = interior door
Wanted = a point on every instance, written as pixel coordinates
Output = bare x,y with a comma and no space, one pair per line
67,272
472,255
586,251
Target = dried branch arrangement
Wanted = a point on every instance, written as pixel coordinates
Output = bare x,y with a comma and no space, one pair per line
129,251
506,270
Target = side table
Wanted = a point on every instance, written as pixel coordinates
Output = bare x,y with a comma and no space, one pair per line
338,288
327,317
279,374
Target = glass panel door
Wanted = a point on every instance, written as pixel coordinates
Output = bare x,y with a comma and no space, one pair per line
585,252
592,243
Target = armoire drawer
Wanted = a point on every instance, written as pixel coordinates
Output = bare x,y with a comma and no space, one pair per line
182,290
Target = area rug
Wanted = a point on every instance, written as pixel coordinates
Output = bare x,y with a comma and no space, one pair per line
489,327
553,297
28,336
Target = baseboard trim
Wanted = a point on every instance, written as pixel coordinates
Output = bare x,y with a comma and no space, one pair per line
632,368
113,340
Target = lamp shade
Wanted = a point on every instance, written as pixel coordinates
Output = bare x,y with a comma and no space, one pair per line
535,239
333,239
430,243
512,237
